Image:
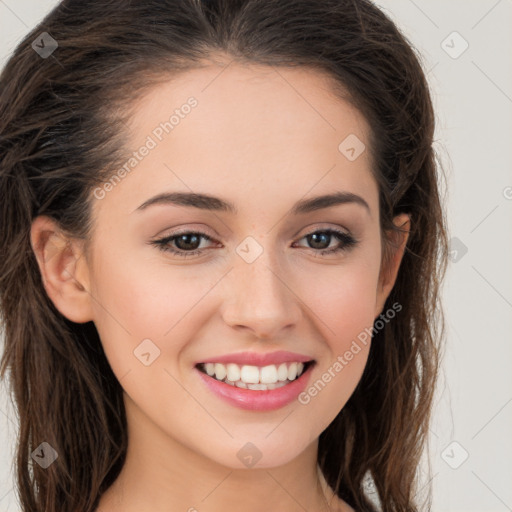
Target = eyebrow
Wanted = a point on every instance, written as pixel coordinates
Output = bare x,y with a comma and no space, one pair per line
211,203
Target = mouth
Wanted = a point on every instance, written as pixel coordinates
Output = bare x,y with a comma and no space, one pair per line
255,378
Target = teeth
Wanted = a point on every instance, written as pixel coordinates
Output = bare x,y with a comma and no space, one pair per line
220,371
250,374
268,374
233,372
255,377
210,368
257,387
282,372
264,387
292,371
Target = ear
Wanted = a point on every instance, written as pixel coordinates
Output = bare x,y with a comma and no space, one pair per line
63,268
391,261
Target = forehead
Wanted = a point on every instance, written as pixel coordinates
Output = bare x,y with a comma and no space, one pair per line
254,131
252,101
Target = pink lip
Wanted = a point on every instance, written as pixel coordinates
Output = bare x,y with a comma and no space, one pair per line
249,399
257,359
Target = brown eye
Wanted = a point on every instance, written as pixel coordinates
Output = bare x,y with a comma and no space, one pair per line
186,243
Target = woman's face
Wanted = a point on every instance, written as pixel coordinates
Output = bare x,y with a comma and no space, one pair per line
267,142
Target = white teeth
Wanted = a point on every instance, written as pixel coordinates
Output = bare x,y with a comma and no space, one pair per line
250,374
255,377
282,372
220,371
257,387
268,374
264,387
233,372
292,371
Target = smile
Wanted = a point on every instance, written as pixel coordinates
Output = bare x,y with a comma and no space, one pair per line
256,388
256,378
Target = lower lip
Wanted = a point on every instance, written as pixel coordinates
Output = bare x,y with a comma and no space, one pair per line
267,400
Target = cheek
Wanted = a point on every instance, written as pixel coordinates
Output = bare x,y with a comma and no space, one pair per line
146,307
132,304
343,306
343,299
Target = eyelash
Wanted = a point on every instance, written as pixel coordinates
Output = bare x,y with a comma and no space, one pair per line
163,243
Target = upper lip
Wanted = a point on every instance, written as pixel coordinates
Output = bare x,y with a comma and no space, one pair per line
259,359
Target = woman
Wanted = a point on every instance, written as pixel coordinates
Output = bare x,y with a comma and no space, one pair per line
223,243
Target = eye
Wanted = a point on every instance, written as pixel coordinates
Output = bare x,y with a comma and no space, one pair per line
188,243
184,242
325,236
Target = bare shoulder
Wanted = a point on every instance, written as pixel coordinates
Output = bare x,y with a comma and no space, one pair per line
347,508
335,503
340,506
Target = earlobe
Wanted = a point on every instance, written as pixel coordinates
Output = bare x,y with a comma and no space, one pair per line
391,264
63,268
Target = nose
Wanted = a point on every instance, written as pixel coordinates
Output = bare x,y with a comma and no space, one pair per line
260,300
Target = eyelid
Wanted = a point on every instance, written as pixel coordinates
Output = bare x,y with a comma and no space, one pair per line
346,241
203,230
320,226
189,228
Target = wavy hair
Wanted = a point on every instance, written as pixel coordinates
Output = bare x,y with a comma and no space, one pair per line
62,120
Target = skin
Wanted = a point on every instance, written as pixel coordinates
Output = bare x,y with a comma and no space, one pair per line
262,138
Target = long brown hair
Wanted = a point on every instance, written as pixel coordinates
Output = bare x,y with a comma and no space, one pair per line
62,119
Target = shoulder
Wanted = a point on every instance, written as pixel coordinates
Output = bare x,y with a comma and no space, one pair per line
336,504
345,507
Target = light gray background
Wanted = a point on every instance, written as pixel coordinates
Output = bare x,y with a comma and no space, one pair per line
473,98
